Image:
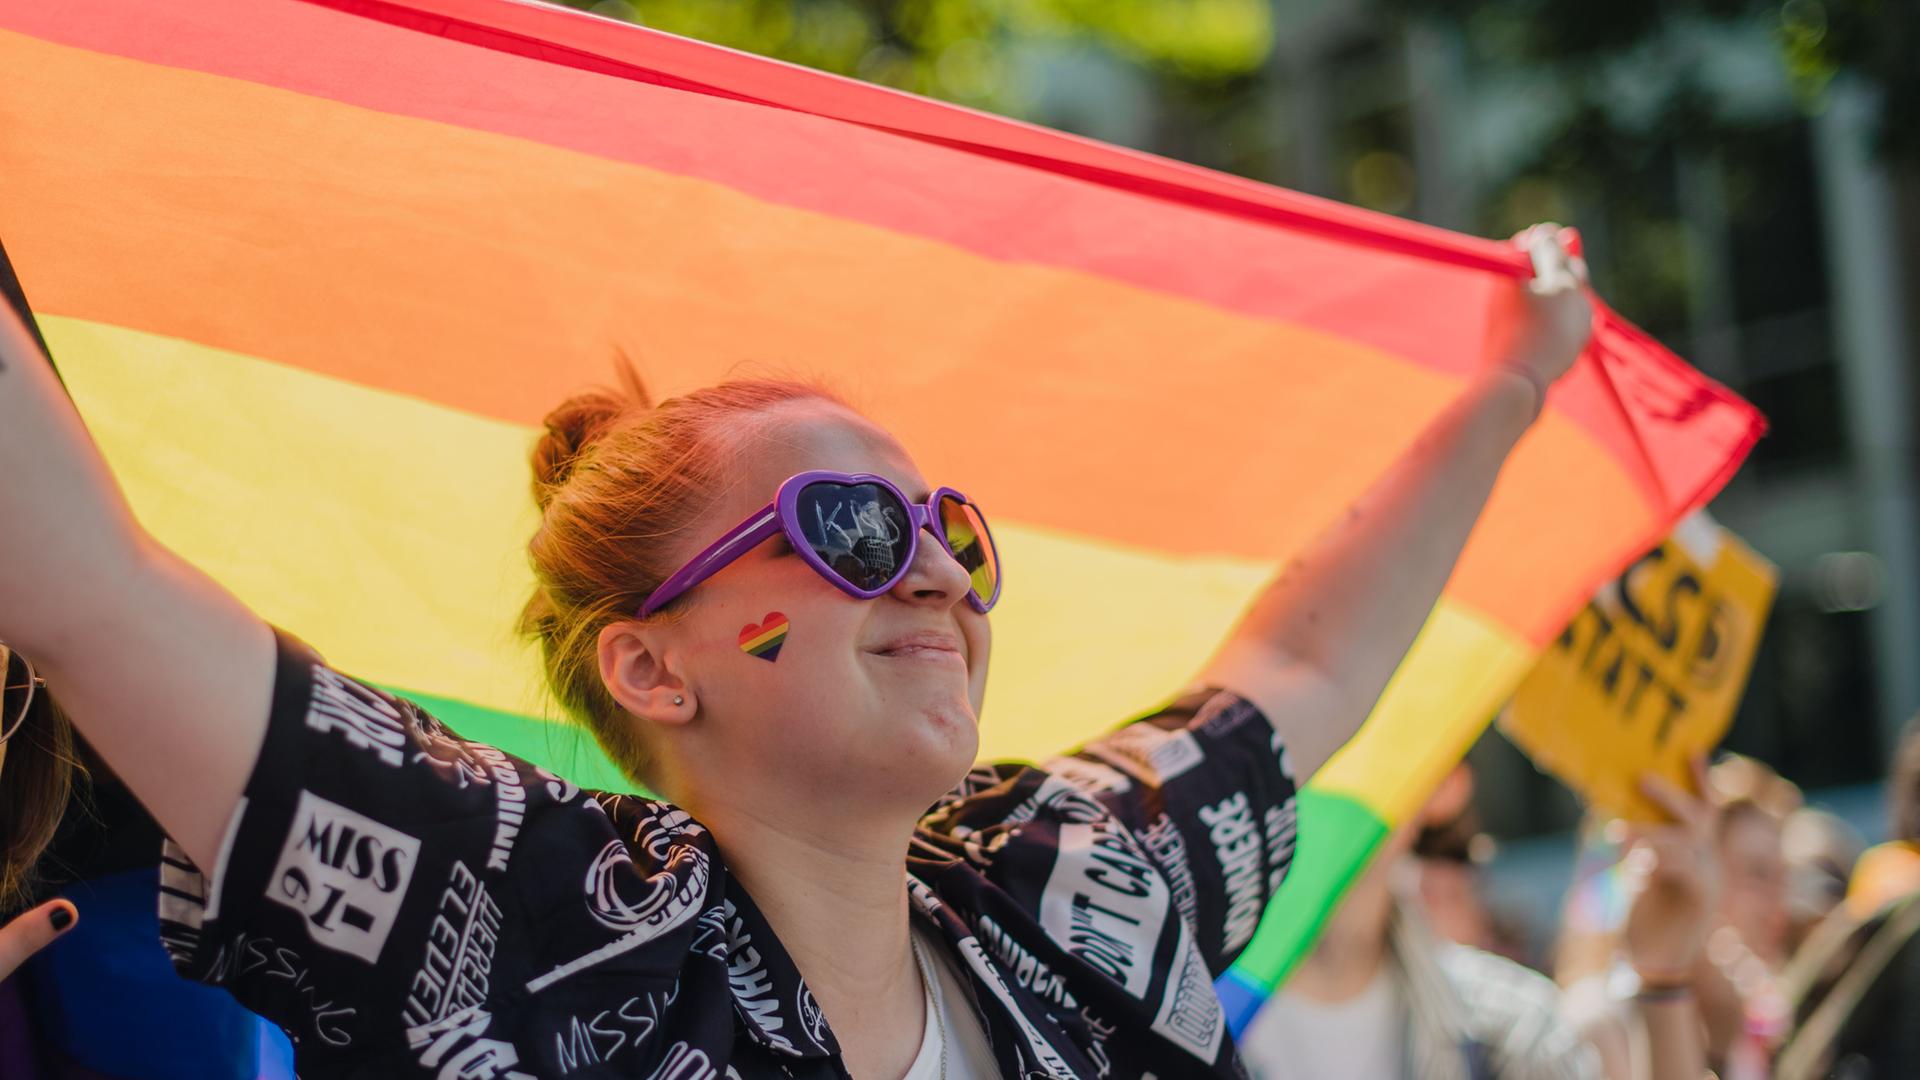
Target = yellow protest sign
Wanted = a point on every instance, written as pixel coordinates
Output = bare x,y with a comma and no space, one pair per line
1648,673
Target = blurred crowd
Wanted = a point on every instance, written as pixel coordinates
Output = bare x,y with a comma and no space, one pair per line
1750,936
1755,937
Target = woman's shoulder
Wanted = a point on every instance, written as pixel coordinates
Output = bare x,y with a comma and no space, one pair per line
429,888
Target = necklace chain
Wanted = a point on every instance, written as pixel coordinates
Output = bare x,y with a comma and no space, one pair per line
932,989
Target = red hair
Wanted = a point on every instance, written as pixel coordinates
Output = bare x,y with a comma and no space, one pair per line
618,480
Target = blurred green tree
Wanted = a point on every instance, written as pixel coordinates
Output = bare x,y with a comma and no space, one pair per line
1643,98
964,50
1874,40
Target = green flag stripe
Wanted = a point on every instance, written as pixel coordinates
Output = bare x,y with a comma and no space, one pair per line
1337,837
565,748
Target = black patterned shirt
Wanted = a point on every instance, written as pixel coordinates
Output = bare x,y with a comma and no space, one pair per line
406,903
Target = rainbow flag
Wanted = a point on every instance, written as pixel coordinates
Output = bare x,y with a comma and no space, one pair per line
313,272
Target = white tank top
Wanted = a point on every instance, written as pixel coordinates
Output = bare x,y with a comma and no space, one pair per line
950,1012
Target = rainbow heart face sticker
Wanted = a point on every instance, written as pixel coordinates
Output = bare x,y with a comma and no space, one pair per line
764,638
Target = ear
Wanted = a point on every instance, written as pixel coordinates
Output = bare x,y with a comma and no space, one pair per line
638,670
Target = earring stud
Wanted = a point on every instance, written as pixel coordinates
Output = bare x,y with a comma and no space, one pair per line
678,700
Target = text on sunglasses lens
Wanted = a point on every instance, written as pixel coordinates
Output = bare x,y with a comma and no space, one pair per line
860,531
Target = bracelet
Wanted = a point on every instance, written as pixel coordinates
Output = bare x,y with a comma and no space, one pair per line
1662,993
1534,380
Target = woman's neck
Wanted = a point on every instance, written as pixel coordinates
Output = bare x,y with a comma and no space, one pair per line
836,896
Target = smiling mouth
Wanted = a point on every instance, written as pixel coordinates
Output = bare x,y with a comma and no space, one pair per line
931,648
923,652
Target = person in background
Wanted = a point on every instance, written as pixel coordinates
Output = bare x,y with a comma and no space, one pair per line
1447,858
1820,849
1733,980
1451,858
1737,983
36,773
99,999
1383,996
104,999
1755,804
1854,986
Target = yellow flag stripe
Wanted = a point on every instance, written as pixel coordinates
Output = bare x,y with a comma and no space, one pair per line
341,548
1459,672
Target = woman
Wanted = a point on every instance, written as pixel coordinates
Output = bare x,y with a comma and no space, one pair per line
1853,989
794,661
1384,994
1629,987
36,772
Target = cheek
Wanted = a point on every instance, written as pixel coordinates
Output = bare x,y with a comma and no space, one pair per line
763,617
763,637
979,633
778,656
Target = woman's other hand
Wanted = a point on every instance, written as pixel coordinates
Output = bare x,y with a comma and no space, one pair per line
31,931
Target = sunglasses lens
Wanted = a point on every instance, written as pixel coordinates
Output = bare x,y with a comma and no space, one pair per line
861,531
966,533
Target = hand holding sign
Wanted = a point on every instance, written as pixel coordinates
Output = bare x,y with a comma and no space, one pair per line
1672,879
1646,677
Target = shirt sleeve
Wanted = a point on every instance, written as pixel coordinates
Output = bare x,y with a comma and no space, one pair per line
1202,788
1515,1012
361,894
1206,785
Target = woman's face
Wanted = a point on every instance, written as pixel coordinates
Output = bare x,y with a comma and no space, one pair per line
876,698
1753,894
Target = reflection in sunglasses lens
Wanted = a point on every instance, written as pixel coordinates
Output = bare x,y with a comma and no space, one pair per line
859,531
972,545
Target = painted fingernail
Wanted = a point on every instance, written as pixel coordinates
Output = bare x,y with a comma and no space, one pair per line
61,918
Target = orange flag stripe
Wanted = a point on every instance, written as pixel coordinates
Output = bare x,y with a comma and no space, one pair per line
797,288
1200,246
776,156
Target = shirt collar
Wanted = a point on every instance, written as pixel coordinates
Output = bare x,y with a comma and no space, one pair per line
770,998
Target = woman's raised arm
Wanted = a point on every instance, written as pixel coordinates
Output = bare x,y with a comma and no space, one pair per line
1317,647
164,672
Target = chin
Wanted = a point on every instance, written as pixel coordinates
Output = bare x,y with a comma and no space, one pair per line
950,735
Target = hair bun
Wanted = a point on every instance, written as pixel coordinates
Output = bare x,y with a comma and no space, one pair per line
576,424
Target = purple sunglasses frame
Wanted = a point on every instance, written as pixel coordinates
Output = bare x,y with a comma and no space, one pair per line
781,516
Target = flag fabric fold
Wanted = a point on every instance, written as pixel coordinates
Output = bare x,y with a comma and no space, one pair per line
313,272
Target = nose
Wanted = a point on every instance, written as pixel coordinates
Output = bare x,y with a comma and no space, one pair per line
934,576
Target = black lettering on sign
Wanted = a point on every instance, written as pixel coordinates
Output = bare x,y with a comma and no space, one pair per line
1668,633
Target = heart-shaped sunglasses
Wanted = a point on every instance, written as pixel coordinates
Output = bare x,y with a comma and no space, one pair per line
856,530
